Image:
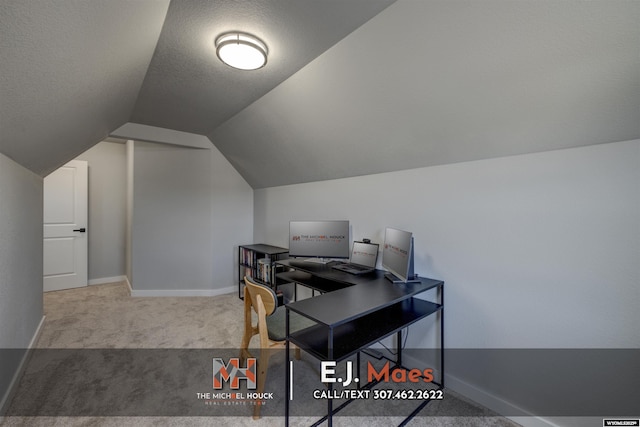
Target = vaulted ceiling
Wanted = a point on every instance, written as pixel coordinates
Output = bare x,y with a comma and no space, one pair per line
352,87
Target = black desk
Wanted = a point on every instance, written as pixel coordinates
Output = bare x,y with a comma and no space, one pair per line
354,312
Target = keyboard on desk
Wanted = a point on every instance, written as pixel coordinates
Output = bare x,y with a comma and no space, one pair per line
353,268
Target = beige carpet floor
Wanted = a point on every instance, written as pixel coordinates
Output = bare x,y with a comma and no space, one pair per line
106,317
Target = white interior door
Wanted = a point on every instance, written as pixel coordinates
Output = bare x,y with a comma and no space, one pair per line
65,227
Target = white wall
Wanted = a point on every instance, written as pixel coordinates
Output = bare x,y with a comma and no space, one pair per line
172,226
189,209
107,210
556,229
536,251
20,264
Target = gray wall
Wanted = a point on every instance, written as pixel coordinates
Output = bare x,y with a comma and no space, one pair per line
107,210
189,209
536,251
20,262
172,227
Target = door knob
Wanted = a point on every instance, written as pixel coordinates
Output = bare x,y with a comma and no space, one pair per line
82,230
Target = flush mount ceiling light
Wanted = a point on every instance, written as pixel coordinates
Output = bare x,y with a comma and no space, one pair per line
241,50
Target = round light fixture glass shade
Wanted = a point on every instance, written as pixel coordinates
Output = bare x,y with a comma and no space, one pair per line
241,50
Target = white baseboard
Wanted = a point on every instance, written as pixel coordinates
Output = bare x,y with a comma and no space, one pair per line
103,280
496,403
126,279
484,398
11,390
182,292
534,421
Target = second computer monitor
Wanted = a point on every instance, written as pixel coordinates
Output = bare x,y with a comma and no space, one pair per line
397,255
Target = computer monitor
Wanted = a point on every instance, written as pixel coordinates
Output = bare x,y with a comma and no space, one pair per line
397,256
322,240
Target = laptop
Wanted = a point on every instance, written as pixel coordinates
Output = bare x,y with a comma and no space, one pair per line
363,259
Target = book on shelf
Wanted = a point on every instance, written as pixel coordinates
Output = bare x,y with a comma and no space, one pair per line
247,257
264,269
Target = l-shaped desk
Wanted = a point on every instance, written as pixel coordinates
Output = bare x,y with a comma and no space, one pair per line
353,312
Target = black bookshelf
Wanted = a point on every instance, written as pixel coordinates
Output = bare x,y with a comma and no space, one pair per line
258,262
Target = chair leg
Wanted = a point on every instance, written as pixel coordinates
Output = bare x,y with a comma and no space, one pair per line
265,354
249,329
244,346
263,365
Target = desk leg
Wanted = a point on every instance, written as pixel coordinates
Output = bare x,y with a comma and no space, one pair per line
399,346
442,337
330,400
287,373
358,370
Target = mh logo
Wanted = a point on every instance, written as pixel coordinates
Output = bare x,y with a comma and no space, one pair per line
232,371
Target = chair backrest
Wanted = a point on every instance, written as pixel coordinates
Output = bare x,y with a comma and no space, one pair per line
269,299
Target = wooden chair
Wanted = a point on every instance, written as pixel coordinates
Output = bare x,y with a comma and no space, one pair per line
270,327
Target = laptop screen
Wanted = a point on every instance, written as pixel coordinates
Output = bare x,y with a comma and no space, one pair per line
364,254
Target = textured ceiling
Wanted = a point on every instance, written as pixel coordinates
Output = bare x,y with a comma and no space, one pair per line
352,87
70,73
188,89
435,82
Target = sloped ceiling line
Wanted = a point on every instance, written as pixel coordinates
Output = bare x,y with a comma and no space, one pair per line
338,98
